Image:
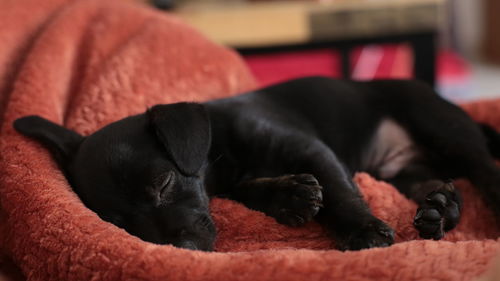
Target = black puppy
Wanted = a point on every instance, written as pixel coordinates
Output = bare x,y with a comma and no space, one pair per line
289,150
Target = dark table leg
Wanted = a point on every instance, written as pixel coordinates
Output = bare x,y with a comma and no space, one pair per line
345,55
424,56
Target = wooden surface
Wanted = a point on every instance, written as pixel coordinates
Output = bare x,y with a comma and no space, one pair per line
261,24
491,45
249,24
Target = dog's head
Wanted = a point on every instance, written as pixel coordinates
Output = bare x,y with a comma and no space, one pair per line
144,173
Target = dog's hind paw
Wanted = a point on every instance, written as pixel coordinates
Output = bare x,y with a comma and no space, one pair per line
298,199
439,212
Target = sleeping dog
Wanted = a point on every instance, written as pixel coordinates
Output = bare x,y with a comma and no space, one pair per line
289,150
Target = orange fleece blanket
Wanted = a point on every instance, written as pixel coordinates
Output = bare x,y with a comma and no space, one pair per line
85,63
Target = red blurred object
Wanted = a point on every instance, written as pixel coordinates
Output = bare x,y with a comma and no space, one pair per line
368,62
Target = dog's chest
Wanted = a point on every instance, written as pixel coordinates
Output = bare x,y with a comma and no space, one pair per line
390,150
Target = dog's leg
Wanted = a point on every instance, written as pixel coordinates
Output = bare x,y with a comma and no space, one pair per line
345,213
439,203
290,199
452,139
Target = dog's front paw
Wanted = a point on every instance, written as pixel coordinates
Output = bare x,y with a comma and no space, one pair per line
298,199
373,234
439,212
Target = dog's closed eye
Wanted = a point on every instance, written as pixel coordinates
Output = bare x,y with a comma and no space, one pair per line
167,184
204,222
162,188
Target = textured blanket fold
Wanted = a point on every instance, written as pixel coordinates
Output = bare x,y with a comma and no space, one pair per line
85,63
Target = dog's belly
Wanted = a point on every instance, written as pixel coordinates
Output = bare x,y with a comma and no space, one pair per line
390,150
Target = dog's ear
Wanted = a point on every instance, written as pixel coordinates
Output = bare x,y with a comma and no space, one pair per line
61,142
184,130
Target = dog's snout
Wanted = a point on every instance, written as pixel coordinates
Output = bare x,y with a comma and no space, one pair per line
187,245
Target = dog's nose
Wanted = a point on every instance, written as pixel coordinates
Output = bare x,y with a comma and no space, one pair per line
187,245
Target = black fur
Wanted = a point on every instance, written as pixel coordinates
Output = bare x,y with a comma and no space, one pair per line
289,150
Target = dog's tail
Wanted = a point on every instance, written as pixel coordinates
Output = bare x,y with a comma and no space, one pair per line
492,139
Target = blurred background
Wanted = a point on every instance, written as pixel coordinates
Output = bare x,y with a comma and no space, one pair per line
452,44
